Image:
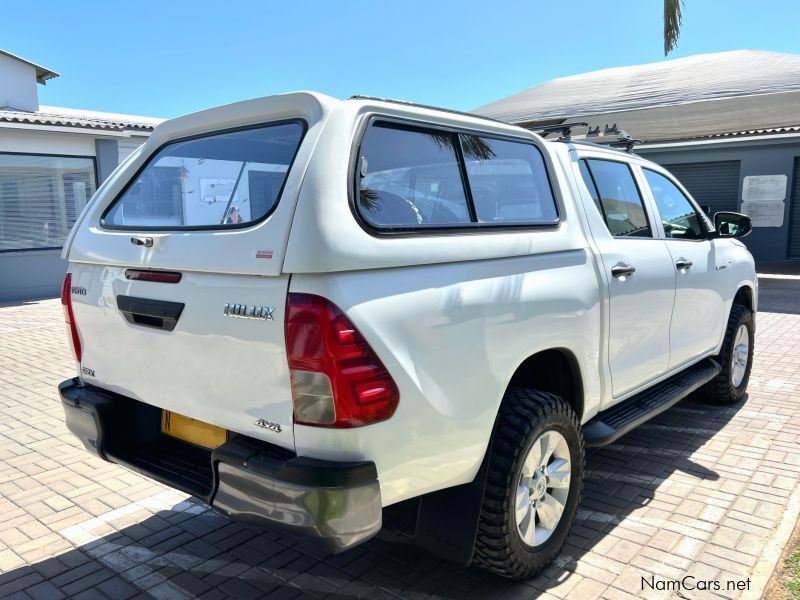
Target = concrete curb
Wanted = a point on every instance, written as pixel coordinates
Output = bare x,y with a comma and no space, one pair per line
773,551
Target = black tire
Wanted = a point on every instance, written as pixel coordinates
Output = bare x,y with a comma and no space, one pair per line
524,416
721,390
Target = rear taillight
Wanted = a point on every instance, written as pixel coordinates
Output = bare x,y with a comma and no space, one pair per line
69,317
337,379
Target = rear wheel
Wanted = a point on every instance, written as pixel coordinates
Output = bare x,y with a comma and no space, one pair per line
533,484
736,359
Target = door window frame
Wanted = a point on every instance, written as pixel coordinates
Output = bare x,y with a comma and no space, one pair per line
662,234
649,214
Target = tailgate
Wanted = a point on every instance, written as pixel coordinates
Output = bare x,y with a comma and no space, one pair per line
210,199
224,369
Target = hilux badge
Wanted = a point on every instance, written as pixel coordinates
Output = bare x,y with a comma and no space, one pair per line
244,311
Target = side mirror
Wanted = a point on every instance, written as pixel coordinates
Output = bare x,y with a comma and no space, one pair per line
732,225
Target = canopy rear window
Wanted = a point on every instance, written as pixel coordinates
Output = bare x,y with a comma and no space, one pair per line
411,177
223,180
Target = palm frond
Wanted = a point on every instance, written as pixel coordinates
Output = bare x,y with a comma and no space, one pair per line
476,148
473,147
672,24
370,199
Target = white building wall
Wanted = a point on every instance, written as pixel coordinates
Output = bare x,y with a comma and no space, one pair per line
18,89
127,146
45,142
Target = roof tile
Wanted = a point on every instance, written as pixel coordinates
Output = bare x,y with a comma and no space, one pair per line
68,117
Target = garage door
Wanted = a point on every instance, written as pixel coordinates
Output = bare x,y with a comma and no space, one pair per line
794,233
713,184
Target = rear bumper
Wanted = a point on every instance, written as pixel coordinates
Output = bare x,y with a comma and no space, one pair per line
337,503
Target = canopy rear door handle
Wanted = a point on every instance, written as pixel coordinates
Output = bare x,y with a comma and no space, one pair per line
159,314
682,264
147,242
622,270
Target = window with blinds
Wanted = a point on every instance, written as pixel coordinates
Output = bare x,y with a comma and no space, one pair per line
40,198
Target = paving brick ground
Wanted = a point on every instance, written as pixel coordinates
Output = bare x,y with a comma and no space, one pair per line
700,490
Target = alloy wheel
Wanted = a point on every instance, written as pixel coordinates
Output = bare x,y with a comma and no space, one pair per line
543,488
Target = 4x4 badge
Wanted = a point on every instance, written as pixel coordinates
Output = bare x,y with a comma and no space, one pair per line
249,312
264,424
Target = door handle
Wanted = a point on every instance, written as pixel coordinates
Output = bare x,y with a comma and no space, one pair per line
622,270
682,264
160,314
147,242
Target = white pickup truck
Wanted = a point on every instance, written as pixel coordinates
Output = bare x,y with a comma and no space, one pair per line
302,310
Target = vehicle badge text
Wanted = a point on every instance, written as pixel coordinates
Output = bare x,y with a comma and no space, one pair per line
264,424
245,311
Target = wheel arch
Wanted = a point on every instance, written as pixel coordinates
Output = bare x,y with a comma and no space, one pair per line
745,296
555,370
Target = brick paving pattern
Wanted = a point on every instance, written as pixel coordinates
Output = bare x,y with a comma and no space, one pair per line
700,490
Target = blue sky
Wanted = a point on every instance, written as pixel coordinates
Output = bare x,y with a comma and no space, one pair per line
172,57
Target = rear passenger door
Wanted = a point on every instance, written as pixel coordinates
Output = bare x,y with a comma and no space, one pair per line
698,313
639,272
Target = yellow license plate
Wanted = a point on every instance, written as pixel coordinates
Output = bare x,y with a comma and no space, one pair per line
192,430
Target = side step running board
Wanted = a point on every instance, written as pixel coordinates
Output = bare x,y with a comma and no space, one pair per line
618,420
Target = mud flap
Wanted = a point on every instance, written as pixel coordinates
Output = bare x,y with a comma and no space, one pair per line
447,521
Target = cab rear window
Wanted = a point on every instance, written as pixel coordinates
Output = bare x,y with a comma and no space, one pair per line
228,179
411,177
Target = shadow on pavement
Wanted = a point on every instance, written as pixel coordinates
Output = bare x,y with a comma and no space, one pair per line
25,302
189,551
779,295
779,267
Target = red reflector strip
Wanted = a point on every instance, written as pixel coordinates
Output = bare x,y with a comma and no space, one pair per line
157,276
69,318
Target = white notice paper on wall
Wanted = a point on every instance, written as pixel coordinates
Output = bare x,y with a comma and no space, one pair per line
764,188
764,214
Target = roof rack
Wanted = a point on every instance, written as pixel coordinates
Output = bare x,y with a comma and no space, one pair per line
564,128
429,107
613,137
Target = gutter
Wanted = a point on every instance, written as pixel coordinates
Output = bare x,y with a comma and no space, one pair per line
96,132
715,142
